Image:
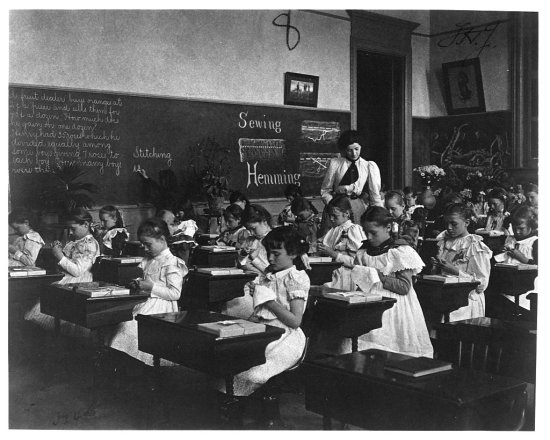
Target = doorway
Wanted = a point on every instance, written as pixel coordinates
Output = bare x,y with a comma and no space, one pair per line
380,113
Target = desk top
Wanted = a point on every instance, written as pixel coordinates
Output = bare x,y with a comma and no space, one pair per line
316,294
187,321
469,285
458,386
50,277
248,274
518,327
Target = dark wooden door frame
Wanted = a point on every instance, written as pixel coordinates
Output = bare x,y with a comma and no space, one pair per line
371,32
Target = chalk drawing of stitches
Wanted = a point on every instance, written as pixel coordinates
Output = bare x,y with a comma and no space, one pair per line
320,131
261,149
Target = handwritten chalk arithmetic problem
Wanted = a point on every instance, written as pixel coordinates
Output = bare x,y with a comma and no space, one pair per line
55,128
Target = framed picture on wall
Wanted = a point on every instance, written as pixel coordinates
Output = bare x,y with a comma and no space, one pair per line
463,87
301,89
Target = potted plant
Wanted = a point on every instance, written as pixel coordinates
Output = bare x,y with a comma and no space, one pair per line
210,165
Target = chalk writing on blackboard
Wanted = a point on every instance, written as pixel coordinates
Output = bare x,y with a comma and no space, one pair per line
320,131
49,129
152,153
261,149
259,122
258,179
315,164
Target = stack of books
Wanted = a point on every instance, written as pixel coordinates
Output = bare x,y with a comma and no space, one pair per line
518,266
235,327
220,270
353,297
25,271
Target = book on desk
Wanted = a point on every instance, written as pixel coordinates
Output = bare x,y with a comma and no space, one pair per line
354,297
25,271
233,327
124,260
417,367
220,270
518,266
218,248
316,259
98,289
448,279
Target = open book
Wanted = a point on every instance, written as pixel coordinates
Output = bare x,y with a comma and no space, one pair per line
234,327
446,279
353,297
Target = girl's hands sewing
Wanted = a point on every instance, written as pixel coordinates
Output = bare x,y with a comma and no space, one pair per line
323,249
57,250
443,265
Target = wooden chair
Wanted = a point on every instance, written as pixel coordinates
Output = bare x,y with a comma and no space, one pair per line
488,345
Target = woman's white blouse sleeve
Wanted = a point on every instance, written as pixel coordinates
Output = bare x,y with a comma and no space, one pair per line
328,182
374,184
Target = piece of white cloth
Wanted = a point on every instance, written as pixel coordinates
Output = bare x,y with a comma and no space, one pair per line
108,236
369,174
28,246
166,272
471,257
263,294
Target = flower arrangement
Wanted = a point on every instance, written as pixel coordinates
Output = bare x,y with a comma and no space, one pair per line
429,174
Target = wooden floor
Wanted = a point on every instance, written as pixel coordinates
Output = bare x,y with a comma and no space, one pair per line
50,388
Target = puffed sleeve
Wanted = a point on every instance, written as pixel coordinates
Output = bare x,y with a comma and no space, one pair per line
374,184
171,280
479,264
356,235
328,182
297,285
82,259
30,250
403,258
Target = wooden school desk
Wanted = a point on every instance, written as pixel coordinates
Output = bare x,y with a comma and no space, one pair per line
511,282
321,272
356,389
175,337
204,291
507,348
63,303
207,257
344,319
25,289
438,299
116,272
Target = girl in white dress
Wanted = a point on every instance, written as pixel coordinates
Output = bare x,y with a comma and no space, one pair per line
75,260
343,240
462,253
289,288
163,275
25,248
521,248
252,256
403,326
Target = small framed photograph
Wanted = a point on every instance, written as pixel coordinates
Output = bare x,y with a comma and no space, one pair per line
301,89
463,87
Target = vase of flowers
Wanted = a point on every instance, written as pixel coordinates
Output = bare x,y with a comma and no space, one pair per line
429,174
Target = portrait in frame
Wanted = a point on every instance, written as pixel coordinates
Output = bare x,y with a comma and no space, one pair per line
463,87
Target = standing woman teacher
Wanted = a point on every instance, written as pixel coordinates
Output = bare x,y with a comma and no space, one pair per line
353,176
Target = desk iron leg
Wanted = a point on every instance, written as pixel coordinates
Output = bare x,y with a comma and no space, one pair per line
354,344
231,406
99,353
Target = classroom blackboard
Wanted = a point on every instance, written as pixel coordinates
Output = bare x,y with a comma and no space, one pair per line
112,135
